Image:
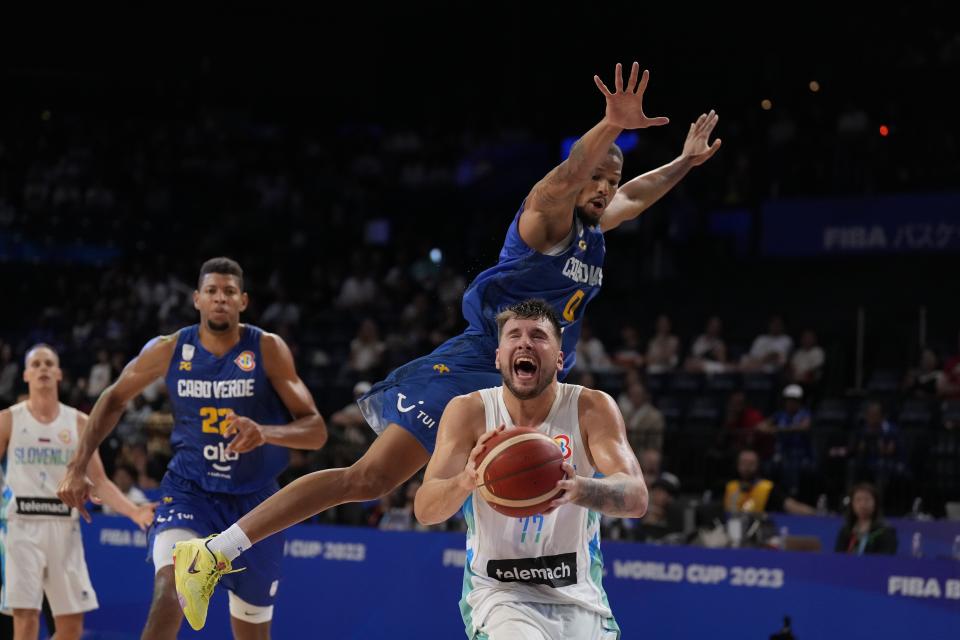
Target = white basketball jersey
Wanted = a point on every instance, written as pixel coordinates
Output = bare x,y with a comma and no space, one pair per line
553,559
37,458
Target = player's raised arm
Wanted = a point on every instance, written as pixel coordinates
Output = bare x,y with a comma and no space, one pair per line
308,429
452,472
636,196
546,219
151,364
622,491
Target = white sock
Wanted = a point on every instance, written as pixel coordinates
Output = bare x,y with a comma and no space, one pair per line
230,543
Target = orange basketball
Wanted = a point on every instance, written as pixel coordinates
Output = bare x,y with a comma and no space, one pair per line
518,471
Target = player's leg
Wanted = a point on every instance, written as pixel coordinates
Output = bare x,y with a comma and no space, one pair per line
23,568
69,626
248,621
26,624
393,458
165,615
67,582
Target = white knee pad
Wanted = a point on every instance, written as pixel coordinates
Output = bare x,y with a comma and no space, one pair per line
163,546
243,610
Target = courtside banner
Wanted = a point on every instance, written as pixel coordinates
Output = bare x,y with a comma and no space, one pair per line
345,582
853,226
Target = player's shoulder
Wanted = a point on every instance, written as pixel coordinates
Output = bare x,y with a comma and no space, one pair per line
465,405
271,344
594,400
162,343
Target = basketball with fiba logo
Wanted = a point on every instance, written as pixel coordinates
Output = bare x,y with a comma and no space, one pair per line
518,471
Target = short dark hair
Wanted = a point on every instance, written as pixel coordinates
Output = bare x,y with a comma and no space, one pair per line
222,265
39,345
616,151
531,309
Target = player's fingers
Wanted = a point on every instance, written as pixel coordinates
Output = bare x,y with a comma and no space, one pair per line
656,122
634,72
618,79
713,148
644,81
84,514
601,86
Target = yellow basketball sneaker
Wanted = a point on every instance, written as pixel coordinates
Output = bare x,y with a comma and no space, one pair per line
197,570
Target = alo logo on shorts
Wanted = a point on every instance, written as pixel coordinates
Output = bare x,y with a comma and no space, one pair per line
551,571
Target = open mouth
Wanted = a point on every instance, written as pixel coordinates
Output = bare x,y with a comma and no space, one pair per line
525,368
599,203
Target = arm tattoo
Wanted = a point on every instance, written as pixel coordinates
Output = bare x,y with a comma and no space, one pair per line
604,496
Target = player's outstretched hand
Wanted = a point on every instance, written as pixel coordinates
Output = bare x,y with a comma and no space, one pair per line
468,477
74,491
697,146
249,434
570,486
143,516
625,104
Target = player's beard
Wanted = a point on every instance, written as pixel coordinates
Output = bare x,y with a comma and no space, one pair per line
525,394
586,218
217,327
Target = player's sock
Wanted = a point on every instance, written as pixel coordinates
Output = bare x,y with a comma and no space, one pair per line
230,543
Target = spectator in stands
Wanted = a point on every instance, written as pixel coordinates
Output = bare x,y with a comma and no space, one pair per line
750,493
791,427
300,464
9,370
709,352
950,384
100,375
876,448
663,350
864,532
359,290
366,350
740,428
124,477
281,312
591,354
349,433
769,351
644,421
806,363
927,378
629,355
664,515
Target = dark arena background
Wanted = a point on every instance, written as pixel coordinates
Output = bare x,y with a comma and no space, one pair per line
363,165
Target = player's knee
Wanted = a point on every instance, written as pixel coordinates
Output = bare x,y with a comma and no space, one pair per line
27,615
249,613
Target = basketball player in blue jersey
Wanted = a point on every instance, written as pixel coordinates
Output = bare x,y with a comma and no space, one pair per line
238,403
554,250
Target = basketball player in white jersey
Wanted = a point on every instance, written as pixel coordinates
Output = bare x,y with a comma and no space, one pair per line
538,577
43,551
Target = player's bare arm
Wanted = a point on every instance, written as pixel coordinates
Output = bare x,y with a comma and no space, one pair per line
6,427
152,363
451,474
546,219
637,195
109,493
307,430
622,491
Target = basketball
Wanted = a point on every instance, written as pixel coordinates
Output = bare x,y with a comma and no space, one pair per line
518,472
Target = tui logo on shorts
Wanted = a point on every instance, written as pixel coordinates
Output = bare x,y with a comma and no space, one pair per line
441,368
551,571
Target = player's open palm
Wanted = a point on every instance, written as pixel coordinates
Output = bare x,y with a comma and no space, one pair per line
625,104
697,146
143,516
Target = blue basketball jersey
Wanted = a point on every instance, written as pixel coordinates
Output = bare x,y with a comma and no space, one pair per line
204,390
568,280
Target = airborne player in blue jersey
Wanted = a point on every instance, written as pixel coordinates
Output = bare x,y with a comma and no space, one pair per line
237,403
554,250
